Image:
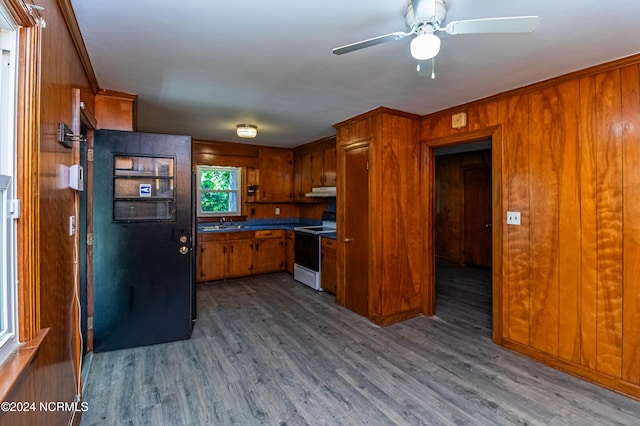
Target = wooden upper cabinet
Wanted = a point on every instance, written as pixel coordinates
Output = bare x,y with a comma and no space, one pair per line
303,180
329,166
314,165
317,178
276,174
116,110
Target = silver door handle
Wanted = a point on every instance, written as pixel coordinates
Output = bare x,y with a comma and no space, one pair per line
347,240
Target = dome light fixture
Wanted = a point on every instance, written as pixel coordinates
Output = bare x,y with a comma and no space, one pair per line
246,131
426,45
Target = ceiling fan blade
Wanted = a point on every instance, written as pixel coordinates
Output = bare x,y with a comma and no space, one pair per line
370,42
514,24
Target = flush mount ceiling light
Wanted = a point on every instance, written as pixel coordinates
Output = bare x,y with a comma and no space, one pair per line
247,131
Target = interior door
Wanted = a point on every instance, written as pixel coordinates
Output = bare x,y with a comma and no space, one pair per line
143,258
356,228
477,216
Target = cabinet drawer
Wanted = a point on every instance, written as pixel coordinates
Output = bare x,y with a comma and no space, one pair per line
246,235
271,233
212,237
328,242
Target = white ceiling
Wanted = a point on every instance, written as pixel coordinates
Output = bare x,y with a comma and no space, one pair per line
203,66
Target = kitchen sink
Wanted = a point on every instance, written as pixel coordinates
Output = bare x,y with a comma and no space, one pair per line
220,227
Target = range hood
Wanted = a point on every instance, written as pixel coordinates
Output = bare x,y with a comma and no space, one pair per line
322,191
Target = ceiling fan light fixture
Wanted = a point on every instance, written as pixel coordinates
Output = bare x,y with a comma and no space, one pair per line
425,46
247,131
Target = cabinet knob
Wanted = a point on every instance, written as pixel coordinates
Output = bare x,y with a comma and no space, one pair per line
347,240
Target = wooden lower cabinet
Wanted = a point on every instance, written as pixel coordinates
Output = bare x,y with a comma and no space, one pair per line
240,262
289,250
328,276
238,254
268,253
211,258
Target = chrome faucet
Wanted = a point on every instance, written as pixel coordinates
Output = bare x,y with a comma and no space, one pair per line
222,220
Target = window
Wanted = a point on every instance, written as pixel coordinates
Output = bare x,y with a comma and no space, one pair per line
8,287
219,191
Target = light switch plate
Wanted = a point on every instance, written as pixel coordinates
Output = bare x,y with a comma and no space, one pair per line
513,218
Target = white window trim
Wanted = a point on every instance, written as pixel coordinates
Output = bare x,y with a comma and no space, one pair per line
8,246
199,191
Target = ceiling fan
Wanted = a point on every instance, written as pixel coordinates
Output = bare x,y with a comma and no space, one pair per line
425,17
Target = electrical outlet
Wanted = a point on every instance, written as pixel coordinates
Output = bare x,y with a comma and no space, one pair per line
277,210
513,218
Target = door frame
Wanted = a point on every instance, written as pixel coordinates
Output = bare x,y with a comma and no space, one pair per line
427,152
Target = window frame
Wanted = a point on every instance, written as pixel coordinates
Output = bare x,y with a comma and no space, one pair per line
200,191
8,227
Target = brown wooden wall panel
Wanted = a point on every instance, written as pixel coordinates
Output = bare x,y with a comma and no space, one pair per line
449,209
399,182
517,281
631,205
588,223
544,161
571,149
568,252
482,116
609,222
61,71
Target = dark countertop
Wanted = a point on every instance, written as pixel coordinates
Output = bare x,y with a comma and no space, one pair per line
255,225
258,225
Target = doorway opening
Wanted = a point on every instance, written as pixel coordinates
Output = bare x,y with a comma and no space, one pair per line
463,235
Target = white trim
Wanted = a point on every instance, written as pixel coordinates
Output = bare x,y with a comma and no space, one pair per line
238,191
8,245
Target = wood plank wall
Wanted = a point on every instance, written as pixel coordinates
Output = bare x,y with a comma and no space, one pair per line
449,214
51,376
216,153
571,150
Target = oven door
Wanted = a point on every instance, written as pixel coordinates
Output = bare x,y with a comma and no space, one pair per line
307,250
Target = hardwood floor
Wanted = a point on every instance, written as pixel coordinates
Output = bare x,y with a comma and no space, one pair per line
268,350
463,296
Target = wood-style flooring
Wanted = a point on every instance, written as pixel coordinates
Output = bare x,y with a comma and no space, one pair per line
268,350
463,297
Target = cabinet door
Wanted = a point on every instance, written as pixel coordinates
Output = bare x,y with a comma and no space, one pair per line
212,261
289,249
269,255
328,276
298,195
306,180
329,167
276,174
316,169
240,258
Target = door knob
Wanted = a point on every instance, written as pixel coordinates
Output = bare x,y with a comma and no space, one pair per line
347,240
184,250
487,225
183,238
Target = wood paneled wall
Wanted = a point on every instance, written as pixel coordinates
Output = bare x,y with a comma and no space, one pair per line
449,202
394,217
215,153
571,149
51,376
